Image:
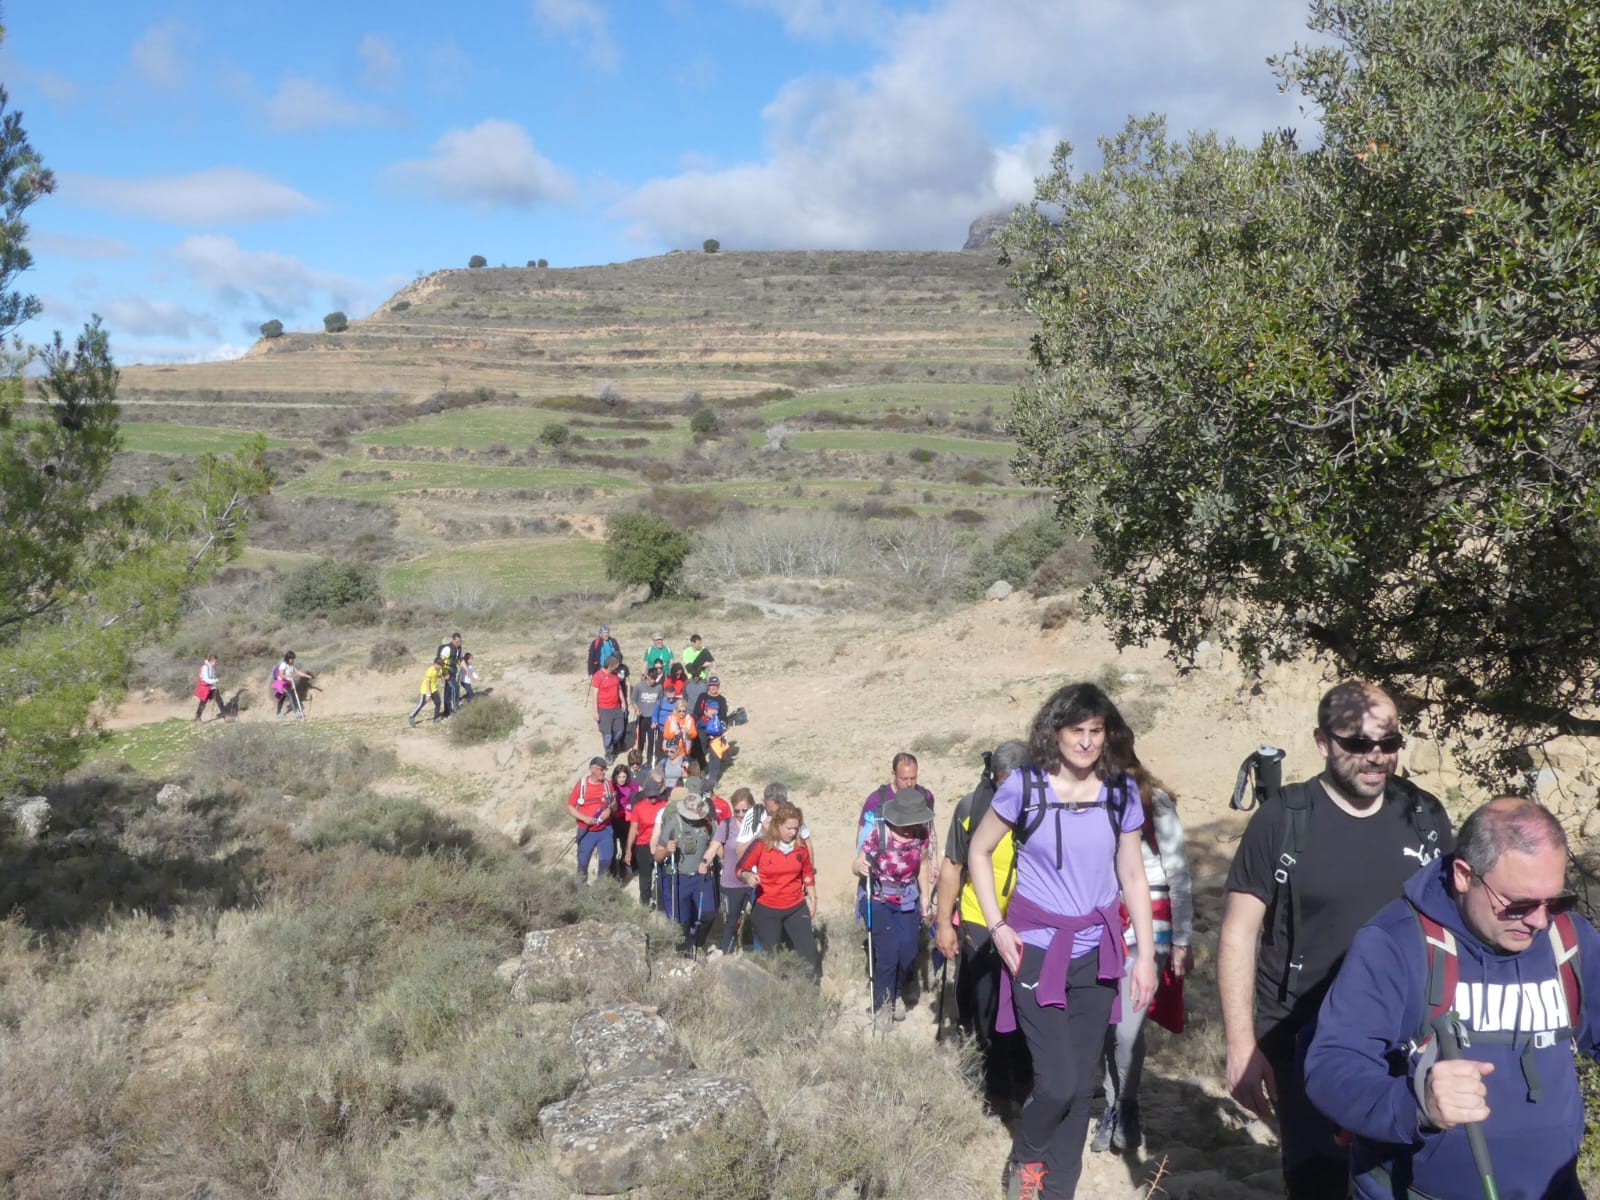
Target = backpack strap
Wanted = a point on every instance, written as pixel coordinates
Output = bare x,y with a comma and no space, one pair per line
1297,801
1444,976
1564,941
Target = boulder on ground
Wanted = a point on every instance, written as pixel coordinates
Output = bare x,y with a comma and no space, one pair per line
173,796
610,959
998,590
30,814
631,597
625,1042
609,1139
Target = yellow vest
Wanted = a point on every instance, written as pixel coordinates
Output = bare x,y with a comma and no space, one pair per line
1004,880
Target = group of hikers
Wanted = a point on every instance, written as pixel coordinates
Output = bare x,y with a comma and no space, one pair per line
291,688
449,682
1404,1003
675,715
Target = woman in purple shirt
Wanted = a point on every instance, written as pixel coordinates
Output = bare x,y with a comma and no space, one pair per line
1076,817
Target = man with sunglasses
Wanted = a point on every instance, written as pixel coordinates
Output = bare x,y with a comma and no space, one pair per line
1316,862
1526,976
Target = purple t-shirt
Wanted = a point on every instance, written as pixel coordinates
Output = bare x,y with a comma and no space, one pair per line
1087,879
727,833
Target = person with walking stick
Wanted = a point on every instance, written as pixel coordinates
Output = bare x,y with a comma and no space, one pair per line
1445,1046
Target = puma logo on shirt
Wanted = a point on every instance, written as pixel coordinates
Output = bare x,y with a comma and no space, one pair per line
1513,1007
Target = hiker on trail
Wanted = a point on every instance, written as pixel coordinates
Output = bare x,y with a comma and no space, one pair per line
286,686
735,893
711,720
756,821
897,863
778,866
1075,817
1166,869
672,685
623,790
452,656
208,687
591,804
467,678
677,736
602,649
1316,862
647,806
1488,932
1007,1071
610,717
432,688
659,654
684,844
646,696
902,774
695,655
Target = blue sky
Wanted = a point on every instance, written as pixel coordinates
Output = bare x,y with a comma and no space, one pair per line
222,163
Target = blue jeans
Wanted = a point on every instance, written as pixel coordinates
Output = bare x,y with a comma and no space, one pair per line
896,937
734,900
593,842
690,900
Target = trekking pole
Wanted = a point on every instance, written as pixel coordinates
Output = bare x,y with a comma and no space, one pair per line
1448,1032
872,955
938,1025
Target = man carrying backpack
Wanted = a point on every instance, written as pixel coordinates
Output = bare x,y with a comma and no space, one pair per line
1007,1069
451,655
711,724
1315,863
601,650
1445,1044
610,717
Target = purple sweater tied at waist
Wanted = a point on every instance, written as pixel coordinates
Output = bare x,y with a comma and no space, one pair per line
1023,915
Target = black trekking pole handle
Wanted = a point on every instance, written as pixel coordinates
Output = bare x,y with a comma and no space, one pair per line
1444,1029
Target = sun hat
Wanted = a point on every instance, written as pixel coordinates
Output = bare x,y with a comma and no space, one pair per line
693,807
906,808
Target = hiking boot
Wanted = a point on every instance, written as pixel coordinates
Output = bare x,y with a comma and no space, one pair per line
411,721
1128,1134
1024,1180
899,1009
1105,1132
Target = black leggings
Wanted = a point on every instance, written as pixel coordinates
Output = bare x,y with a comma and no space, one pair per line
773,925
1007,1070
645,865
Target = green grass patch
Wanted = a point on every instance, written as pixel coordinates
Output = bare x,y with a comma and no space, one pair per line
160,437
896,441
875,401
158,749
377,480
482,426
498,570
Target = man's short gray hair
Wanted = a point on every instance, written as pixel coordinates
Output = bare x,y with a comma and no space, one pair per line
1007,757
776,793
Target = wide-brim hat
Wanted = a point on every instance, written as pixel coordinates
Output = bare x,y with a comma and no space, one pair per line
906,808
693,807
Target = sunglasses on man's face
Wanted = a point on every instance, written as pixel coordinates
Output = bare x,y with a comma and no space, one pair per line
1519,910
1389,743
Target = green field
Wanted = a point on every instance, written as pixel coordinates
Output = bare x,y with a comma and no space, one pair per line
160,437
480,427
496,570
873,402
827,493
413,476
897,442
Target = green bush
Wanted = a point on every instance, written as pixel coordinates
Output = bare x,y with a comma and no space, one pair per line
544,262
476,261
404,827
921,454
642,547
400,306
272,329
328,585
704,421
555,434
1016,555
335,322
711,245
485,720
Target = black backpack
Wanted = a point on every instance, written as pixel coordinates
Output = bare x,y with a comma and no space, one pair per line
1036,802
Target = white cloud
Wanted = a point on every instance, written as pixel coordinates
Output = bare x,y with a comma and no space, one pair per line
69,246
823,19
57,89
449,68
900,156
169,352
301,104
156,58
380,59
140,317
492,165
217,196
584,24
278,284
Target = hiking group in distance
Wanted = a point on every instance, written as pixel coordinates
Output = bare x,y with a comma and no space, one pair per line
1409,1028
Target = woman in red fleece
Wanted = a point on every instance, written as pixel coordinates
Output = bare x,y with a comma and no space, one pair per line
779,867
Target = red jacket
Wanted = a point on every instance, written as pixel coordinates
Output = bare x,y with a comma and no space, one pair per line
590,798
782,878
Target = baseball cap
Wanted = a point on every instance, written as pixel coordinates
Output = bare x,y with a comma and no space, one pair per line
656,637
605,629
597,761
712,680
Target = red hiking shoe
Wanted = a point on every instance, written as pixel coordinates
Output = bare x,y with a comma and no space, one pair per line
1025,1180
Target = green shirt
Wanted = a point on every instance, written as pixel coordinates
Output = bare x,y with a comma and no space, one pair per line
658,654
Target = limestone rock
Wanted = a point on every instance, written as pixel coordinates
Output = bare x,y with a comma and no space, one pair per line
1591,825
626,1042
632,597
607,958
173,796
608,1139
980,233
998,590
30,814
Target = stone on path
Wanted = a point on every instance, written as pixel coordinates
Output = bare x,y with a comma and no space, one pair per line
626,1042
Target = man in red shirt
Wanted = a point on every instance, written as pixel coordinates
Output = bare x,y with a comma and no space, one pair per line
610,714
647,808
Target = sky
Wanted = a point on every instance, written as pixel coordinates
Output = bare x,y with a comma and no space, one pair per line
220,163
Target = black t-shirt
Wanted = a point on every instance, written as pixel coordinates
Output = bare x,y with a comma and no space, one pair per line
960,837
1350,868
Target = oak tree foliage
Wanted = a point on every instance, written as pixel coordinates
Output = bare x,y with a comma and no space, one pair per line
1343,397
644,547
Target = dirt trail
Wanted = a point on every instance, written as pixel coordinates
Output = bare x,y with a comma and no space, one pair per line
831,699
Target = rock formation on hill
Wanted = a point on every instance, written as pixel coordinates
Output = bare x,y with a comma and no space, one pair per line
981,233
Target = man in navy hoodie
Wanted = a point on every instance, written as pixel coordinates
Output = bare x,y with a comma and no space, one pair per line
1496,898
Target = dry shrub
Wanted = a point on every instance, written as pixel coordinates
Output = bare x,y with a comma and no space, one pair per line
1070,566
388,655
485,720
1059,613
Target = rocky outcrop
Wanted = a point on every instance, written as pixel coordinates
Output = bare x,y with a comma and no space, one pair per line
580,958
626,1042
980,234
30,814
620,1135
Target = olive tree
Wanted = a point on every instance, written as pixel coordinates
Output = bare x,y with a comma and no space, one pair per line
1343,398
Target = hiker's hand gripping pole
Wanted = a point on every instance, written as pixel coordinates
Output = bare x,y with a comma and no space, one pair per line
1456,1096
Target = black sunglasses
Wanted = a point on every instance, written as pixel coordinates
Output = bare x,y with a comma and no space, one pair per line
1517,910
1389,743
